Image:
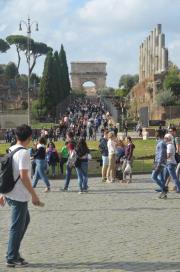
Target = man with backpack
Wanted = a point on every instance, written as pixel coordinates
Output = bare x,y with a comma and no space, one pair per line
16,189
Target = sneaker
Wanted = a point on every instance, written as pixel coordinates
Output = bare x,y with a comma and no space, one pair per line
17,263
64,190
80,192
158,190
108,181
22,260
85,191
47,190
103,180
163,195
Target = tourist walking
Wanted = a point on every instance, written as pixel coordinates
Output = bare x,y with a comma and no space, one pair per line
171,162
71,151
63,157
41,165
128,160
112,157
160,163
32,152
52,157
104,153
81,165
70,164
176,141
19,197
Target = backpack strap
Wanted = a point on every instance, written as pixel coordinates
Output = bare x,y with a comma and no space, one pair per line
12,154
16,150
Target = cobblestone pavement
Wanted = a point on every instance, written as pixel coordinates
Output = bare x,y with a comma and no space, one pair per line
115,227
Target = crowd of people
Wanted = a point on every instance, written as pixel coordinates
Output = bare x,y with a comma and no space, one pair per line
83,120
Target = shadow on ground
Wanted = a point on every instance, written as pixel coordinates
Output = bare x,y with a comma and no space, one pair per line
126,266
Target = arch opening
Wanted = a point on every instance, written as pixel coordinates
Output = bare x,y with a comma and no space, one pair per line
89,87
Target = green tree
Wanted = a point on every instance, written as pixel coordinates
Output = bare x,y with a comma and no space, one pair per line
11,70
58,78
65,73
107,91
35,109
2,68
20,43
4,46
38,49
35,79
172,80
128,81
46,98
165,98
121,92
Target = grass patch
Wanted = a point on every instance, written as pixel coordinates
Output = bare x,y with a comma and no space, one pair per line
143,149
42,125
143,153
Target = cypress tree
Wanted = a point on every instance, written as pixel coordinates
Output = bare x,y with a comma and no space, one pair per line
65,73
47,87
59,80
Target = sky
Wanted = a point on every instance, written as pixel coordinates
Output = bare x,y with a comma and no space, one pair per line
94,30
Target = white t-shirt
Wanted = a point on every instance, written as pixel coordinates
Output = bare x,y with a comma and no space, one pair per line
111,147
21,161
171,151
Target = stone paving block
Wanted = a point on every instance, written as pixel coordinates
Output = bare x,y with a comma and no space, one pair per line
115,227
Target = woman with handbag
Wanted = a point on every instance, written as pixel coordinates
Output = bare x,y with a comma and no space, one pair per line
52,157
81,165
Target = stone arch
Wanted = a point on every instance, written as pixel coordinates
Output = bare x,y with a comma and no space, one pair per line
82,72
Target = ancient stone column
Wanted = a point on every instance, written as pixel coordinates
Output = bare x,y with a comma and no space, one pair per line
154,51
151,53
147,41
140,63
158,29
164,59
153,57
161,46
143,62
146,58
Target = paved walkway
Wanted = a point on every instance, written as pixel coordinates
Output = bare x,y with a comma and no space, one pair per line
115,227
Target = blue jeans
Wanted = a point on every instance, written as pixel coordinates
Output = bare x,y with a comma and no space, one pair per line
82,173
158,177
40,173
171,171
53,167
20,219
68,176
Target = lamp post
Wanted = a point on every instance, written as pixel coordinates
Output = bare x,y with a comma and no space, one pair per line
28,25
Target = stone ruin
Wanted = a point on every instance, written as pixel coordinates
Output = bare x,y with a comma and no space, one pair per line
153,56
153,65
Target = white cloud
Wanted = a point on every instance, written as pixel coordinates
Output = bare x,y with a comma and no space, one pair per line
94,29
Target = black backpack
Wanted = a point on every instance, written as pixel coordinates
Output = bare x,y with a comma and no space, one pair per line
7,181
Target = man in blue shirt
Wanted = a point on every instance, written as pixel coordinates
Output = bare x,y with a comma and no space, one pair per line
160,163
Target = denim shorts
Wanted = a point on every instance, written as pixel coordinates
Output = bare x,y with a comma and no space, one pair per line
105,160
